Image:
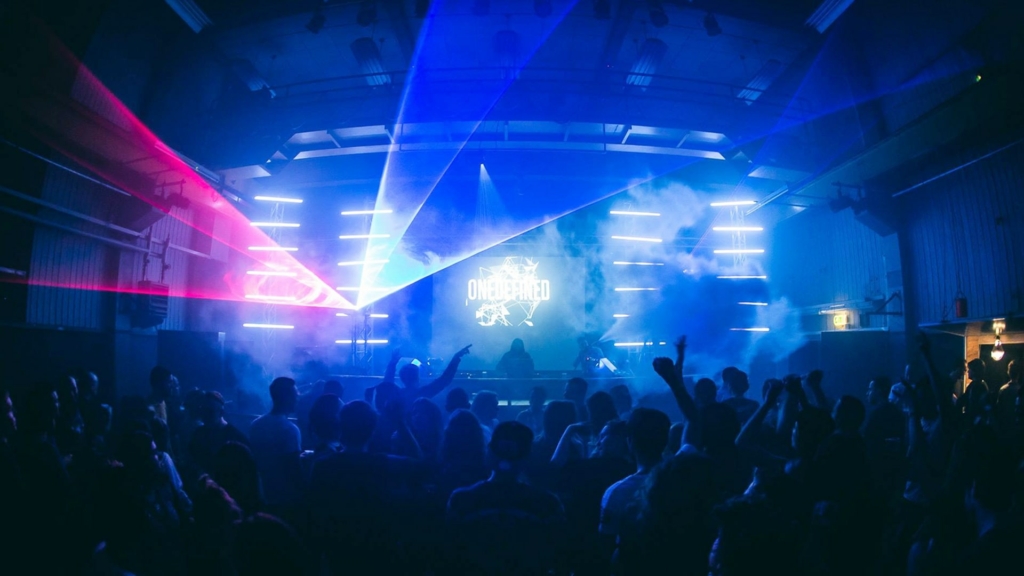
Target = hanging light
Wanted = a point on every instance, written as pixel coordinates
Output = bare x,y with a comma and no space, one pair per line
997,350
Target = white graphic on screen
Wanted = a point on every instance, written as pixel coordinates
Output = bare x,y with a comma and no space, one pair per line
509,293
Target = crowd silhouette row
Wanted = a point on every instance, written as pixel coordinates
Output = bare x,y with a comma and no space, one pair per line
916,481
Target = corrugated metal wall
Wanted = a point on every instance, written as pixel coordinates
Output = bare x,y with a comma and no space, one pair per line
61,262
968,226
820,257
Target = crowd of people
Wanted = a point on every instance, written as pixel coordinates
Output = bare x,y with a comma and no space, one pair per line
916,481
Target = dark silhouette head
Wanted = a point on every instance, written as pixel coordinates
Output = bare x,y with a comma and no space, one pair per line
485,406
67,395
601,410
558,415
576,389
325,418
976,369
266,545
211,410
357,423
426,422
457,399
463,440
647,434
622,398
510,445
284,395
97,419
162,383
538,396
518,347
138,452
735,381
214,512
613,442
410,375
1013,370
878,390
848,415
193,403
334,387
88,384
705,392
234,468
383,394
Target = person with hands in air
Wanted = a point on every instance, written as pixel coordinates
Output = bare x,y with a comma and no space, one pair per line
410,376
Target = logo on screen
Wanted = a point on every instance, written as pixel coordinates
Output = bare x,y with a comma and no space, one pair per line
509,293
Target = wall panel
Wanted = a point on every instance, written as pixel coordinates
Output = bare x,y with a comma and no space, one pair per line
966,232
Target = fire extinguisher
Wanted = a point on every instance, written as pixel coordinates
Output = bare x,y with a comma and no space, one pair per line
960,305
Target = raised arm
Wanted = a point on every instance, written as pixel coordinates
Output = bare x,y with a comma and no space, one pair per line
445,379
389,372
814,383
752,428
670,372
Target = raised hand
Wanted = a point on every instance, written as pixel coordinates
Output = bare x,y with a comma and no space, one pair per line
664,367
791,383
814,378
463,352
681,345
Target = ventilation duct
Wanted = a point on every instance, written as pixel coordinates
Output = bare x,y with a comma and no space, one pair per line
768,73
191,14
368,56
651,54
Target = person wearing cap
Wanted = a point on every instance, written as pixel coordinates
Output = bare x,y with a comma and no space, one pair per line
503,525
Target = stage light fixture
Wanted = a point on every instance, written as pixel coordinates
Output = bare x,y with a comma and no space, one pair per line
733,203
364,212
711,25
752,303
341,315
273,249
363,236
735,277
632,344
317,21
270,273
362,262
740,251
278,199
274,224
361,342
602,9
637,239
367,15
623,263
542,8
632,213
620,315
270,326
636,289
481,7
191,14
749,329
738,229
269,298
378,315
659,19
